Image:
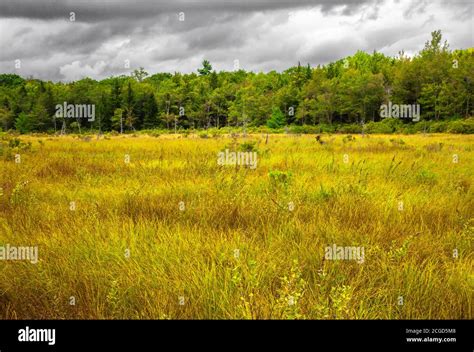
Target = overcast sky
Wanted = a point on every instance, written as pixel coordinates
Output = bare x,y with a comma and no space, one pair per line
262,35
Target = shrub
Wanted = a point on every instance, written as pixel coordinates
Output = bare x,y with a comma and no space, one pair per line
378,127
389,126
426,177
155,134
438,127
349,128
461,126
280,178
248,147
348,138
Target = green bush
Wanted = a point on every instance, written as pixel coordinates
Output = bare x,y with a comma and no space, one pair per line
461,126
438,127
326,128
349,128
305,129
426,177
248,146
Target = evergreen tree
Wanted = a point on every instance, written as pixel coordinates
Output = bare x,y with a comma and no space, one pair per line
206,68
277,119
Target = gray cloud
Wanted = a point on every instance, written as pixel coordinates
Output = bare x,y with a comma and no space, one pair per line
262,35
91,10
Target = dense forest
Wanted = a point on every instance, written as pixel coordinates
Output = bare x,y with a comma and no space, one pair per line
348,91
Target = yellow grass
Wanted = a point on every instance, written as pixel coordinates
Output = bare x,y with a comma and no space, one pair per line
237,250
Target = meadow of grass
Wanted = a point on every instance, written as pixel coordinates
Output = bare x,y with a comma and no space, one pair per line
174,235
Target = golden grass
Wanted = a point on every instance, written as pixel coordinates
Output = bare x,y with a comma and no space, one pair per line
190,257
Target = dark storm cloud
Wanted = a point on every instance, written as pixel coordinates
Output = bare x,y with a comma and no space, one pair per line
91,10
214,37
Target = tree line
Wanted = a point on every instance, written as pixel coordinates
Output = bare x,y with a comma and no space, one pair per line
347,91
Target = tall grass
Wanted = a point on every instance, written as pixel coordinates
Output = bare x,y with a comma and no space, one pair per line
235,248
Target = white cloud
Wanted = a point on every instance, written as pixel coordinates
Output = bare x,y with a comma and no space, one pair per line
75,70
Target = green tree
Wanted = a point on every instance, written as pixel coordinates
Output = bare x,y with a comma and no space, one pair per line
349,90
150,110
139,74
277,119
206,68
6,119
24,123
117,120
